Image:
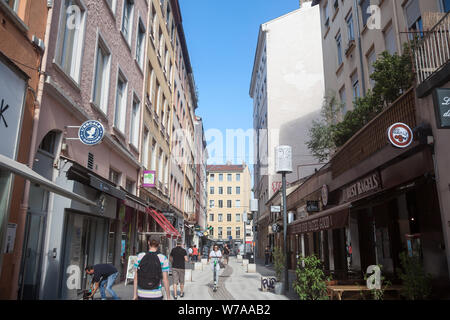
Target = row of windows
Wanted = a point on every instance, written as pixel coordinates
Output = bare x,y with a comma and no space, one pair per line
229,177
229,217
229,203
220,235
229,190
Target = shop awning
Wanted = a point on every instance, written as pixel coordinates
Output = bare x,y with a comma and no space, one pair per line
333,218
27,173
164,223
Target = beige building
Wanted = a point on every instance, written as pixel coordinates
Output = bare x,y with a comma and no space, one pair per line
352,39
229,192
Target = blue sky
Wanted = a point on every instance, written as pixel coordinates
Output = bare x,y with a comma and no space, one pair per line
221,38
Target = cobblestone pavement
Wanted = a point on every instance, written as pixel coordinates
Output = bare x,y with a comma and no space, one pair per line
234,284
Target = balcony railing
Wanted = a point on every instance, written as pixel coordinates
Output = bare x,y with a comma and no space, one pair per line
431,49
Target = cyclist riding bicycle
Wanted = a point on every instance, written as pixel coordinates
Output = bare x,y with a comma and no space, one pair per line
215,256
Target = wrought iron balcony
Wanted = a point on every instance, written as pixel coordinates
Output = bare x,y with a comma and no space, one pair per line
431,49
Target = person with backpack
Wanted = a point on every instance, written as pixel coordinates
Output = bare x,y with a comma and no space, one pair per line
152,268
103,274
178,257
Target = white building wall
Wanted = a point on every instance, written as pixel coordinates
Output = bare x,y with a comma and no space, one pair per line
295,88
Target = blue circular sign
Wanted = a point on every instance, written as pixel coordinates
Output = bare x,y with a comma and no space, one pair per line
91,132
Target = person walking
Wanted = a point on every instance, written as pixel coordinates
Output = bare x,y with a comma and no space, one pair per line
266,256
178,257
195,253
152,271
215,256
103,275
226,253
190,253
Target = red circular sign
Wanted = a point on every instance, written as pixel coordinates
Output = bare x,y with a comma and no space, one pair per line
400,135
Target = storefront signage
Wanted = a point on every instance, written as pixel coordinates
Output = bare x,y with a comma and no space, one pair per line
12,92
149,179
91,132
276,227
312,206
442,107
324,195
400,135
362,186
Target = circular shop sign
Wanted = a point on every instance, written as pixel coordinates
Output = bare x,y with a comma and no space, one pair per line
91,132
400,135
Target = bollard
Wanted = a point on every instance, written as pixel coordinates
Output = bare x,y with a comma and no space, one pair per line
204,261
244,262
198,266
188,275
251,268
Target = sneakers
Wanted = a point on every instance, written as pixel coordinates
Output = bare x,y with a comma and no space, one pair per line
175,297
182,295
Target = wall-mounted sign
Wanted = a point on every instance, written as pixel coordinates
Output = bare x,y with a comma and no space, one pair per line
276,227
149,179
91,132
442,107
275,208
363,186
400,135
312,206
324,195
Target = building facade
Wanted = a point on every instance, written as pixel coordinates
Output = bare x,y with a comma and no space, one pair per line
375,200
113,62
22,22
287,88
229,192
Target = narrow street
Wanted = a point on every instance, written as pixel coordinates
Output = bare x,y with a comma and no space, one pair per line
234,284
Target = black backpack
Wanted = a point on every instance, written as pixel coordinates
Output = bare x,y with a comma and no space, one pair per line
149,272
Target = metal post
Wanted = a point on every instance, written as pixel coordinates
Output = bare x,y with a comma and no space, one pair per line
244,218
286,274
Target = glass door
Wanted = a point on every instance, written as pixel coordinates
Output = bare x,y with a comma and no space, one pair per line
32,256
86,243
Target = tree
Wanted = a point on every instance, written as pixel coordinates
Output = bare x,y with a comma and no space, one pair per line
321,142
393,75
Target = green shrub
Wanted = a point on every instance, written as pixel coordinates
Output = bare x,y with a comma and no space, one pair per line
416,284
310,282
279,260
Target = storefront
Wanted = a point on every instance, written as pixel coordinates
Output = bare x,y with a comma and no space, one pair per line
89,235
373,218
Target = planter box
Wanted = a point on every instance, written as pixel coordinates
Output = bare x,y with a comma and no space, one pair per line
244,262
204,261
279,288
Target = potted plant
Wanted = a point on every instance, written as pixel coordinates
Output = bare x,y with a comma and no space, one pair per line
311,281
279,260
416,284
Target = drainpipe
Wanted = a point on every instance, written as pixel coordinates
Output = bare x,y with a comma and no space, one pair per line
397,34
363,80
24,206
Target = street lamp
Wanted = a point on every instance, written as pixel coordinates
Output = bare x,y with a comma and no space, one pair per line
283,165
